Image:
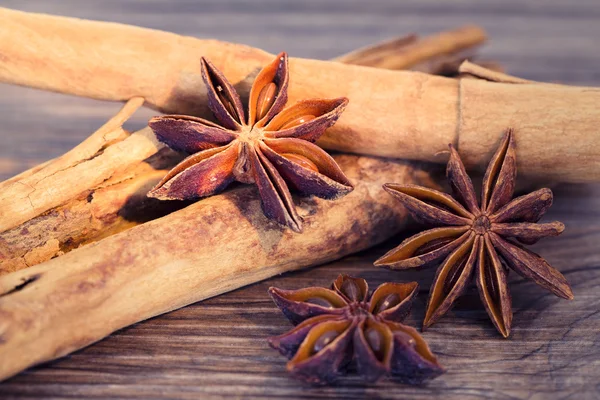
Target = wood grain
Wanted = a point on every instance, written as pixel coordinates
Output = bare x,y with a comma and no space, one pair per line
217,348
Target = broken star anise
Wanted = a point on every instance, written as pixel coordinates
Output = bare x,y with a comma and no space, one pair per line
271,146
347,326
478,240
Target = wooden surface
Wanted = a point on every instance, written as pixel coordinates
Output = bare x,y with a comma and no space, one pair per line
217,348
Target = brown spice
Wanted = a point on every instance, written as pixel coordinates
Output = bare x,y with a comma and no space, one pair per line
347,325
271,146
473,237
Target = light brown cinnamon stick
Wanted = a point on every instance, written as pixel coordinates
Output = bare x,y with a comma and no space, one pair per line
78,197
89,203
391,113
208,248
117,62
481,71
54,183
432,54
556,120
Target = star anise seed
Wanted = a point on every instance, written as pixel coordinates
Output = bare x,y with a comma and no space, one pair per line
349,327
271,146
478,240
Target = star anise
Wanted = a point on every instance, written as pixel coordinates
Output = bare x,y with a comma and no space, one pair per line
271,146
478,240
345,326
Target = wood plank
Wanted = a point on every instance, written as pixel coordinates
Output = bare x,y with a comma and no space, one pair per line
217,348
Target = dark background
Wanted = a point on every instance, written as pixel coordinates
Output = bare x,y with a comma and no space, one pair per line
217,348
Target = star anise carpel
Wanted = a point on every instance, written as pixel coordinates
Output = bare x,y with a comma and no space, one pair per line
475,240
270,146
346,325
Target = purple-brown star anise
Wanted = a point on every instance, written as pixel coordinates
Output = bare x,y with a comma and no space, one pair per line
478,240
345,326
271,146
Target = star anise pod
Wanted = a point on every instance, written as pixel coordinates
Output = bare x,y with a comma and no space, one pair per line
271,146
347,326
478,240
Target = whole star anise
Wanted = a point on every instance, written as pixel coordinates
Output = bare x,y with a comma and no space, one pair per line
478,240
271,146
345,326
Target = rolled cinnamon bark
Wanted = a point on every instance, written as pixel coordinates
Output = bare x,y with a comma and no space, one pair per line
210,247
410,112
96,194
391,113
97,211
559,123
434,54
30,194
84,195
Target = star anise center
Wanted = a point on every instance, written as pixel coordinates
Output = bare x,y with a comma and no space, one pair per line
358,309
481,224
250,134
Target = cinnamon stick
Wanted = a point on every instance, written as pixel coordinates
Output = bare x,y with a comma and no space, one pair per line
77,197
487,72
391,113
556,120
210,247
54,184
117,62
90,203
432,54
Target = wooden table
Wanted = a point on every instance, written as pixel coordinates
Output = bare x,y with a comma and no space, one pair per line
217,348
